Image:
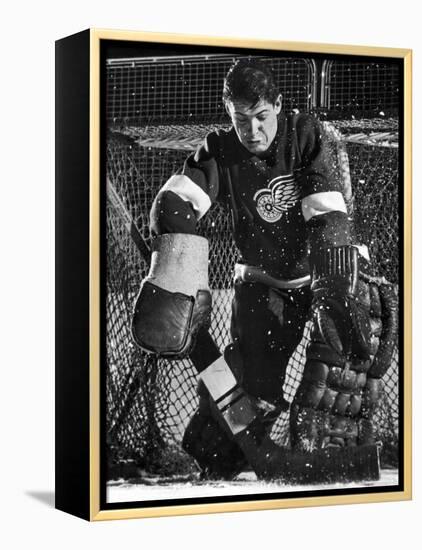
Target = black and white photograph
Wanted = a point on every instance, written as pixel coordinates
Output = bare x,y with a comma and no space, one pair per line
252,274
211,236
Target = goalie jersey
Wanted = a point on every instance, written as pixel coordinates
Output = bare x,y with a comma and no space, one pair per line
282,203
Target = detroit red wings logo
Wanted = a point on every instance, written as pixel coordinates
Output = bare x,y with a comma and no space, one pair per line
281,194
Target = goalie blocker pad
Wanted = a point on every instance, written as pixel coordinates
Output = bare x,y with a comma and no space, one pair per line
174,300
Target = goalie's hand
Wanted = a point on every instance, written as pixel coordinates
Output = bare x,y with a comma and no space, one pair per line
339,305
344,325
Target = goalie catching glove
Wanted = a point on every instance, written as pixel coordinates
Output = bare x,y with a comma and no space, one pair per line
174,300
337,306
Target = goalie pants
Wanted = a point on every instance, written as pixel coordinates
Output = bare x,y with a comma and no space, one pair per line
266,327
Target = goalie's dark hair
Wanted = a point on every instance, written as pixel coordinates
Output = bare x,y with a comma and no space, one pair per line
250,80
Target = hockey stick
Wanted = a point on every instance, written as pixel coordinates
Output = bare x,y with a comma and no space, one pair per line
133,231
117,203
240,416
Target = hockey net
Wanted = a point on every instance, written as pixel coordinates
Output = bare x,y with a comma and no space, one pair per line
148,400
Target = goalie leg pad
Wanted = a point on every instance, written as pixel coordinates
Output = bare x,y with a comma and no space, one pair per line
389,333
327,404
337,400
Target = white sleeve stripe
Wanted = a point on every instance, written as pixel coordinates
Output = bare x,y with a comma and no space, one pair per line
322,203
189,191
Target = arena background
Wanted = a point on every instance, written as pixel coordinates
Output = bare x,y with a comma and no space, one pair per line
158,109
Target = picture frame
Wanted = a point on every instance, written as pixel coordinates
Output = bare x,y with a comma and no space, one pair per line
124,111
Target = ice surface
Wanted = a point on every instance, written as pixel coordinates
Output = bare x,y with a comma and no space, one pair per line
156,488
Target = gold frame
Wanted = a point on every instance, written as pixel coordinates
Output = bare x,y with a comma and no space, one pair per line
96,514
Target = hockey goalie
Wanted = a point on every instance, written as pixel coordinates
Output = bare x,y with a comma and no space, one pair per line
282,181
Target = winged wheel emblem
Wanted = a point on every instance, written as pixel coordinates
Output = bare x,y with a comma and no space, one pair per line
281,194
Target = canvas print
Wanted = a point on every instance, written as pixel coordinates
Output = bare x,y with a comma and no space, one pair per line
251,274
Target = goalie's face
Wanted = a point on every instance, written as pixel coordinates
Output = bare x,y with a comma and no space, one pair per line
255,125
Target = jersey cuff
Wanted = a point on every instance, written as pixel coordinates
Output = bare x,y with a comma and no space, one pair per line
189,191
322,203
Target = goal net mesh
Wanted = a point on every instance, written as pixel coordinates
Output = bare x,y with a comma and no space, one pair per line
148,400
